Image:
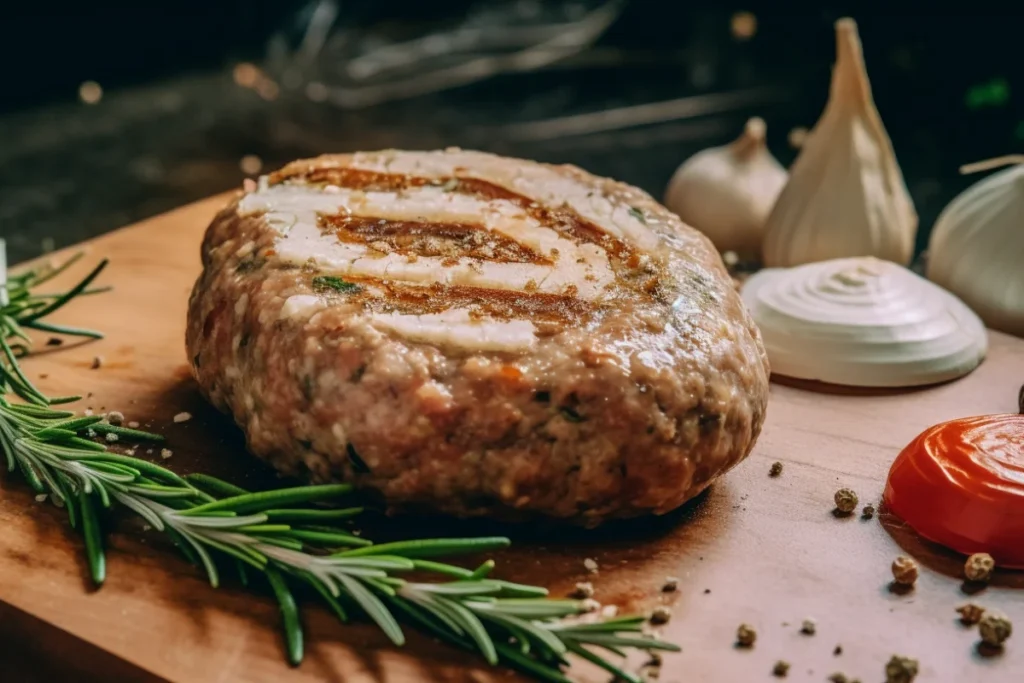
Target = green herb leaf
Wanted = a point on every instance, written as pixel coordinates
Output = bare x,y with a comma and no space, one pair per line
93,540
328,283
289,615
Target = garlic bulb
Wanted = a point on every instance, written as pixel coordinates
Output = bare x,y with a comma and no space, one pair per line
845,195
727,192
976,249
863,322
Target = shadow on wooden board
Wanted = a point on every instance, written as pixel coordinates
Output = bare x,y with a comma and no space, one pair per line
27,655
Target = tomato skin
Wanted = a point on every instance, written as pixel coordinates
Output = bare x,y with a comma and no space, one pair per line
961,484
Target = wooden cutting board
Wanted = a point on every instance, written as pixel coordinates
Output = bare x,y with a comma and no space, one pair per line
753,549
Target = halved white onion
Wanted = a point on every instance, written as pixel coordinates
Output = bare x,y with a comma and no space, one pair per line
863,322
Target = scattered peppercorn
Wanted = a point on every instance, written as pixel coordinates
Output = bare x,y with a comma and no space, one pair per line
994,629
97,362
583,589
900,670
979,567
904,571
780,669
846,500
775,470
970,613
868,512
838,651
671,583
661,615
1020,400
809,627
838,677
57,341
746,635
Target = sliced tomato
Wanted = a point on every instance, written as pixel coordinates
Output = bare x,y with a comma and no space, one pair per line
961,484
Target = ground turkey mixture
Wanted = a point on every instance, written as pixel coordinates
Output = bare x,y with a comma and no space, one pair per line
477,335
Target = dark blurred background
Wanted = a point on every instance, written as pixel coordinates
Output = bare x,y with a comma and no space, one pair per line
110,113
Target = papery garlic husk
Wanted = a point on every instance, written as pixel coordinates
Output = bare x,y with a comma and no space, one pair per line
863,322
845,196
976,249
727,192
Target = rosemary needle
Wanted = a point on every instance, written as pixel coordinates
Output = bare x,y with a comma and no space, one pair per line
265,500
289,615
435,547
277,533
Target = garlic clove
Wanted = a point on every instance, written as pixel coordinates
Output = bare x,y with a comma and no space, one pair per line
727,192
976,249
863,322
845,196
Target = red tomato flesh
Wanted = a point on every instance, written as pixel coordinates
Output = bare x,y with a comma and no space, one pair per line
961,484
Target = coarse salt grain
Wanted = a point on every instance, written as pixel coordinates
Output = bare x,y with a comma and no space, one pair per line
115,417
41,498
183,417
590,565
166,453
133,424
111,437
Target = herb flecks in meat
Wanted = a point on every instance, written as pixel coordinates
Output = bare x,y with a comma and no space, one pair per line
571,414
331,283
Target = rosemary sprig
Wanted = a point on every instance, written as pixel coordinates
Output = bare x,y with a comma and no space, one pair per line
286,536
21,308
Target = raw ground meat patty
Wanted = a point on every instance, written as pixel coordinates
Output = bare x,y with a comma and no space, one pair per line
476,335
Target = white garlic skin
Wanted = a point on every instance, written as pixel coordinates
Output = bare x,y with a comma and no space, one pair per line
976,249
863,322
727,192
846,196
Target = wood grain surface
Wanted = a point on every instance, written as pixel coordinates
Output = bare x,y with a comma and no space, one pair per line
766,551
